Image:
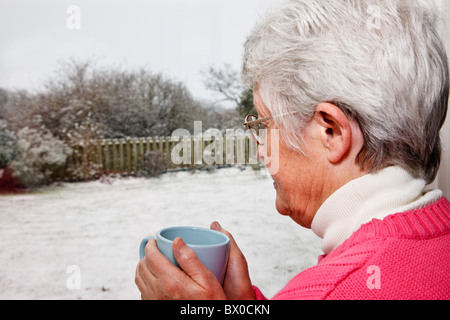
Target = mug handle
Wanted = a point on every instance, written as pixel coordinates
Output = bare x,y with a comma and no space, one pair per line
143,245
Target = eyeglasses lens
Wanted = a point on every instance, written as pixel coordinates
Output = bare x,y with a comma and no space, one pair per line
255,129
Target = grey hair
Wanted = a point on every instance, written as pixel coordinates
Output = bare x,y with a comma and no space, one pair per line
381,61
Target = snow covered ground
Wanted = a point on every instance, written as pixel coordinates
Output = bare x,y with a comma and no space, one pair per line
97,227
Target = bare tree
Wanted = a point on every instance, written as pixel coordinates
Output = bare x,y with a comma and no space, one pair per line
226,82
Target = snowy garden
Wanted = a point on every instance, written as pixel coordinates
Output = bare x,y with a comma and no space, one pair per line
80,241
81,177
90,113
81,174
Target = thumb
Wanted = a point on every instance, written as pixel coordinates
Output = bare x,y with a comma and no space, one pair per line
234,248
191,264
237,285
236,261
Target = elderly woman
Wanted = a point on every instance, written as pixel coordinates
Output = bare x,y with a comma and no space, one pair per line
351,96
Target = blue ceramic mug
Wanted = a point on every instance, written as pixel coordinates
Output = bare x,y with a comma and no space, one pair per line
210,246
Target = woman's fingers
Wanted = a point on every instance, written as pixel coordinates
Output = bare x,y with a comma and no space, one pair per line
158,279
237,284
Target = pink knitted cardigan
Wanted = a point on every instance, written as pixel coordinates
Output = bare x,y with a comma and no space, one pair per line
406,256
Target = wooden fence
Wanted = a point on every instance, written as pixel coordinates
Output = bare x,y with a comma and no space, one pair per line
132,156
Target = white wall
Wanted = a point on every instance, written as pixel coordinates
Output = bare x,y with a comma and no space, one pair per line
443,180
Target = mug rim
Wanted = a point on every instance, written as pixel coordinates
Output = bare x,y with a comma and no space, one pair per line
226,239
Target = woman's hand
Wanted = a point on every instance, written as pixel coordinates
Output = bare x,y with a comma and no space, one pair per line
158,279
237,284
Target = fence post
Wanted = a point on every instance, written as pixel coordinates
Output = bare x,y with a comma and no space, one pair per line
106,144
135,156
99,156
121,168
192,150
141,153
218,141
128,147
114,156
168,155
240,150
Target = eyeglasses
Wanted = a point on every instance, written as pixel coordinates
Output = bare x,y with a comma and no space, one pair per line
257,128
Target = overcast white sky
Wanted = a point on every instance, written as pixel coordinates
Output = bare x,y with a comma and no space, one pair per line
176,37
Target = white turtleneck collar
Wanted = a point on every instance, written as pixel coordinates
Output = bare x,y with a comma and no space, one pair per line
373,196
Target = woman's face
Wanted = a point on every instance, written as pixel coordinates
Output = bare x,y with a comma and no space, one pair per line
298,179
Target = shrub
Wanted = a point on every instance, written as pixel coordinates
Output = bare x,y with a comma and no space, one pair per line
39,156
155,164
8,145
9,183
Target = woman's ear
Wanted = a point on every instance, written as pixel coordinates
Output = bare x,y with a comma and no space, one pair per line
335,131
